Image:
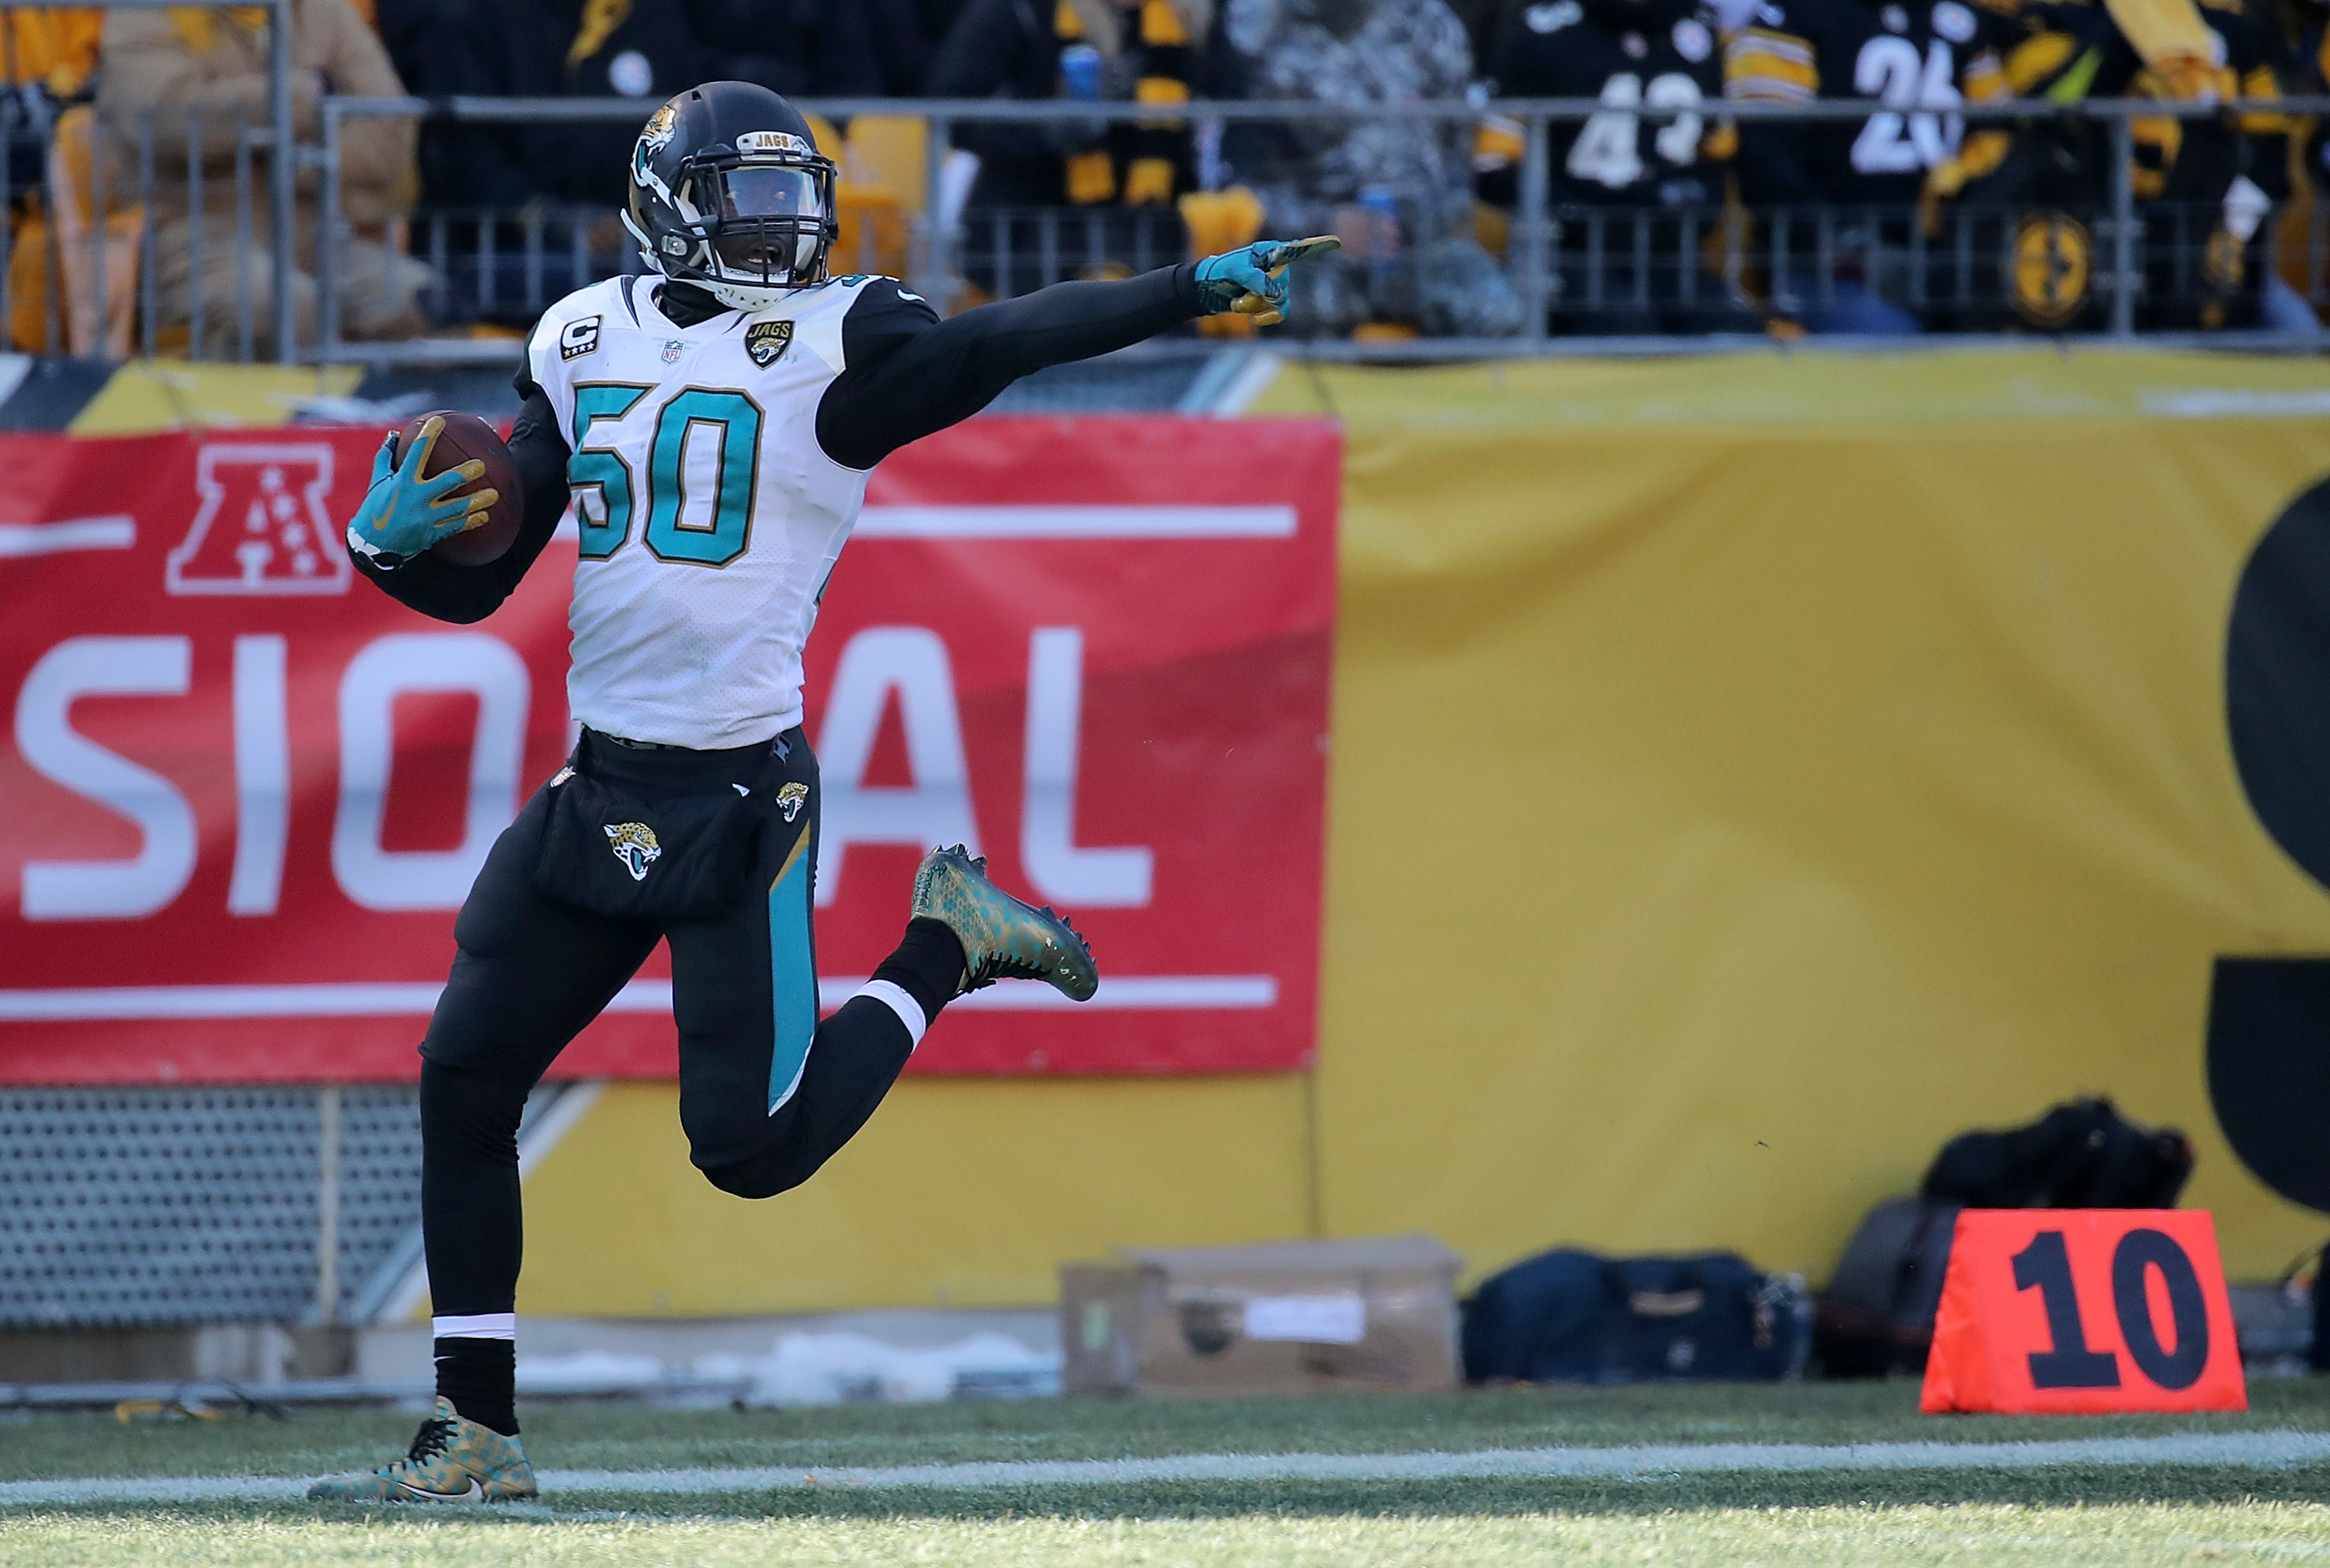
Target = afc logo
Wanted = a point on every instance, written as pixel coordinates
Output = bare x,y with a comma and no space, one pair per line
263,526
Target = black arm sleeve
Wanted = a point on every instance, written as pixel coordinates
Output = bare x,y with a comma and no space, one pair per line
909,374
462,594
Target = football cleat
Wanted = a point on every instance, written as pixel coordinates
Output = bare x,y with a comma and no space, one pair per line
451,1461
1003,939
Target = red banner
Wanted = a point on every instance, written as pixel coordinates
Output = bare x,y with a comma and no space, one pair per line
245,792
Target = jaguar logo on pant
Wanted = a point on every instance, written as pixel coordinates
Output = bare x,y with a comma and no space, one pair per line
634,844
791,799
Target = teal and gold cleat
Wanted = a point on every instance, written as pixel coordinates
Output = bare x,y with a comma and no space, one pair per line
1002,938
451,1461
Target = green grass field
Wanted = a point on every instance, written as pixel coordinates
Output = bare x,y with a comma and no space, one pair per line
2066,1512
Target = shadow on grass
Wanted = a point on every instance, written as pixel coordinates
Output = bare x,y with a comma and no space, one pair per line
2062,1487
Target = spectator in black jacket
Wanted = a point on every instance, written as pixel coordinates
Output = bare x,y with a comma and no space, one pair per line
907,35
800,48
1164,51
646,50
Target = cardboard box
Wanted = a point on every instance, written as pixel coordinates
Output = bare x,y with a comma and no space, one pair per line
1275,1318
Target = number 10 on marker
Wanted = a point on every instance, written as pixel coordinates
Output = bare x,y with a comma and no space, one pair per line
2084,1310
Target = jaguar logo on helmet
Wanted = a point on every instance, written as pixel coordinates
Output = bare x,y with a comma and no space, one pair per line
661,127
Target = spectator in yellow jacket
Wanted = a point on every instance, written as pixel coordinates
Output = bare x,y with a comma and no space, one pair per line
187,64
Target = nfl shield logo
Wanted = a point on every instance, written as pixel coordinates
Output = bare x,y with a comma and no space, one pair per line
673,349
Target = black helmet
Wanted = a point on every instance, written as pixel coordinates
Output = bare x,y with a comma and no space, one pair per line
729,193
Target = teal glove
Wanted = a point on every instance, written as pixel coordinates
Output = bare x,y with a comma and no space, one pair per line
404,514
1252,281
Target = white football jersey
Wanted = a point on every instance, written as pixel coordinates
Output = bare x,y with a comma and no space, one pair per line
709,516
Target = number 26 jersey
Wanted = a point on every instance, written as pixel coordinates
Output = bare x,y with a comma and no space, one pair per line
1917,60
708,515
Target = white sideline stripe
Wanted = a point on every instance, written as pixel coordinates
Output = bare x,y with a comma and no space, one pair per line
2262,1450
418,998
112,532
1075,522
2235,402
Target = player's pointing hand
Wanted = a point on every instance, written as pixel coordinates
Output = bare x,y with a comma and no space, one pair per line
404,514
1252,280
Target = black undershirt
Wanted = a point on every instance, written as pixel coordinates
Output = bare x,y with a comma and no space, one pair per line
907,374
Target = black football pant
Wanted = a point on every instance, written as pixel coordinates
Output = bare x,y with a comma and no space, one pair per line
767,1093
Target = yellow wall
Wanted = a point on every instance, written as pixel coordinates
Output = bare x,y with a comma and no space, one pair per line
960,1192
1749,772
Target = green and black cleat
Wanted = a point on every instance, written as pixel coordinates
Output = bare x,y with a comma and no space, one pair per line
452,1461
1003,939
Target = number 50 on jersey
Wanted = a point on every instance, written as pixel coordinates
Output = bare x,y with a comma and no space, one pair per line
2069,1311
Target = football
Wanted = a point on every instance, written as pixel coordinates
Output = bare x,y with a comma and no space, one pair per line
464,437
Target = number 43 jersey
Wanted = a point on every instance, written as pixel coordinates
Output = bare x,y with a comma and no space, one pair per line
1918,59
709,514
1635,59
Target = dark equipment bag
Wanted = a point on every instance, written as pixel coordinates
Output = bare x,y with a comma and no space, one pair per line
671,860
1876,1318
2081,1154
1570,1315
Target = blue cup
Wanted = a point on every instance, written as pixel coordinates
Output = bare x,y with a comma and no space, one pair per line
1080,72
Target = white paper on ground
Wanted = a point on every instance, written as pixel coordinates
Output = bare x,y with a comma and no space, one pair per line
1336,1319
586,1370
835,1368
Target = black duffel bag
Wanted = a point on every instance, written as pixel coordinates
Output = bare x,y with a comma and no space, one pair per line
1570,1315
1876,1318
2081,1154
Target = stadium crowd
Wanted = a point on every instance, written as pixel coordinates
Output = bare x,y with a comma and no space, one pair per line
1670,215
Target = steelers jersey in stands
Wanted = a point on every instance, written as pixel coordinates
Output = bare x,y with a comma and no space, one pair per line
1919,62
1635,57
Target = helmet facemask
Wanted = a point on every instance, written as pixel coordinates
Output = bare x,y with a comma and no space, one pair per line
747,224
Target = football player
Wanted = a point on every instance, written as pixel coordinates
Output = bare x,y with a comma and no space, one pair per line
1918,61
713,425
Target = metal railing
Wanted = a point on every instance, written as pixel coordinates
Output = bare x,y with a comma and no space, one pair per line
1578,273
281,180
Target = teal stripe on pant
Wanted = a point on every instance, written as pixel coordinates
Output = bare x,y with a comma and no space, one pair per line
792,975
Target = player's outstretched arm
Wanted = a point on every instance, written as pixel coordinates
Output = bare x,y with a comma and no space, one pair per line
908,374
461,594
